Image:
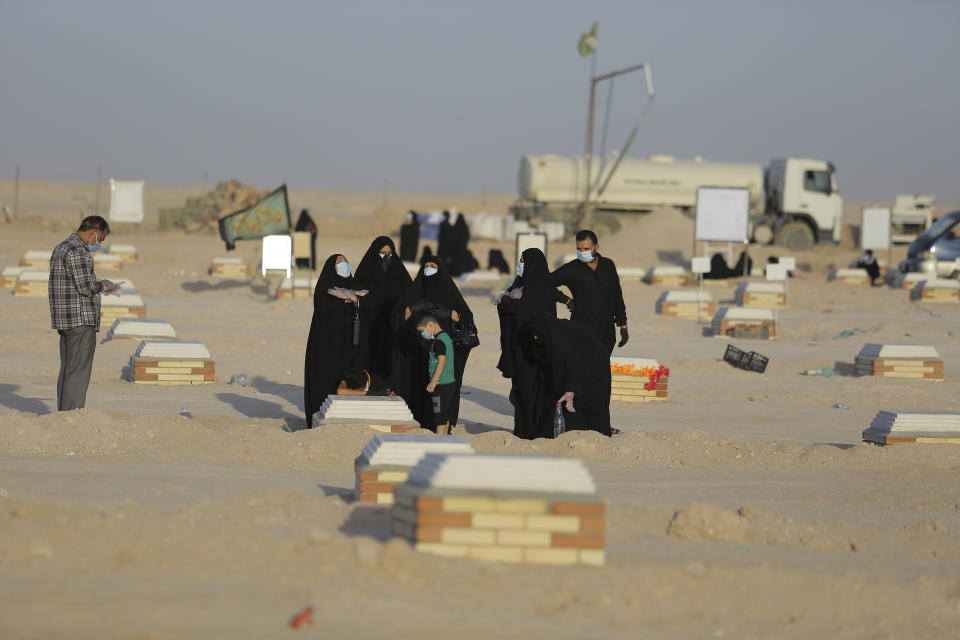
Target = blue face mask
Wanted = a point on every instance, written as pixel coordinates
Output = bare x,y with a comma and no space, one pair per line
93,247
343,269
585,256
429,271
426,335
520,270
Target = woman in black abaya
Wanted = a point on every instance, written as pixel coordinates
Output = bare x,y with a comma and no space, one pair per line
446,241
305,223
566,362
384,275
532,291
434,290
330,350
409,237
461,260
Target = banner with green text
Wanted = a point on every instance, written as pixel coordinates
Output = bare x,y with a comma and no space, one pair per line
268,217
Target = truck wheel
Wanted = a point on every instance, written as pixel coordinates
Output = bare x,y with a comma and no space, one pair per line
796,236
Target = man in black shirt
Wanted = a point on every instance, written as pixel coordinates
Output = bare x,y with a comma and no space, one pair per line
597,301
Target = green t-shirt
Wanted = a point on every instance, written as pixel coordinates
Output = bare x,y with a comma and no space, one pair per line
442,345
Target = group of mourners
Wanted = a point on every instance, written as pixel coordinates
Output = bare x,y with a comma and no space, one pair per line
376,331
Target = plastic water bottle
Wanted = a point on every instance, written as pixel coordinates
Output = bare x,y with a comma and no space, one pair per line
185,410
559,423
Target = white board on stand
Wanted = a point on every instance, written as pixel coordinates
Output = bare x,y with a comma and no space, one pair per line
700,265
530,240
875,228
277,254
126,201
723,214
776,272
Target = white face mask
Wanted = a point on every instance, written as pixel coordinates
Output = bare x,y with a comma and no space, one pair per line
520,270
343,269
429,271
585,256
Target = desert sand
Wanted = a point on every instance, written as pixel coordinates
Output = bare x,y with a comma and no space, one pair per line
743,506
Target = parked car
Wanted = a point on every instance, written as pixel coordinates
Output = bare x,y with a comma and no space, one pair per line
935,251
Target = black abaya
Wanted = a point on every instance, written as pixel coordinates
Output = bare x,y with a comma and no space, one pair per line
410,238
388,282
305,223
560,356
461,259
330,351
440,294
539,296
445,241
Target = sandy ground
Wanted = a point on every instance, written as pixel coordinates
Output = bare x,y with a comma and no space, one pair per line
743,506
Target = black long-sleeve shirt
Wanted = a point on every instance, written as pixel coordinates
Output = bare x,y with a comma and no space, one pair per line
597,296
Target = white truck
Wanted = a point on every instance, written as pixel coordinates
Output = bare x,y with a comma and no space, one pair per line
793,201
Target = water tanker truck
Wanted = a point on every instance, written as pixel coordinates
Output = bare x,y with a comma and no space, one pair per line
793,202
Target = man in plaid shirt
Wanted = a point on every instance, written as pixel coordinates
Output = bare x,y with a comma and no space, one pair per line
74,295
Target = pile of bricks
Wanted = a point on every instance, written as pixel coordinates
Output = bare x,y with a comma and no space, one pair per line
141,329
387,414
36,260
171,362
692,305
899,361
668,275
638,380
387,459
766,295
125,305
9,276
531,509
107,262
850,276
126,252
32,283
939,291
229,268
896,427
745,322
297,287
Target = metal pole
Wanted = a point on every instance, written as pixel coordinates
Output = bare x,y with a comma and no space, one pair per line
96,206
16,194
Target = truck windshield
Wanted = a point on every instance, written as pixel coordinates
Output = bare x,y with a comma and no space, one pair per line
941,225
817,181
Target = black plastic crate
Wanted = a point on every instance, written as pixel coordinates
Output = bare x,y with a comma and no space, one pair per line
733,355
756,362
747,360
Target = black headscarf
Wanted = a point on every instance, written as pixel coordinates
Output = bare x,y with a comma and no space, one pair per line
460,261
438,289
539,296
330,351
559,356
495,260
409,238
388,282
305,223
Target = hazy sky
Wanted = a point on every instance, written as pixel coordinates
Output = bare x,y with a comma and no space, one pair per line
446,96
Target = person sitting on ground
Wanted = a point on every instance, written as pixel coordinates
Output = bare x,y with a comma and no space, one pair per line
360,382
440,367
868,262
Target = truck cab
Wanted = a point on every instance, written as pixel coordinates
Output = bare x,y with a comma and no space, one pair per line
804,206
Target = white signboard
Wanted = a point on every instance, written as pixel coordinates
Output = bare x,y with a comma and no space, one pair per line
789,263
875,228
530,240
277,254
776,272
722,214
700,265
126,201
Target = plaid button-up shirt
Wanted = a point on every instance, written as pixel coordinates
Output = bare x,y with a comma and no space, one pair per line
73,292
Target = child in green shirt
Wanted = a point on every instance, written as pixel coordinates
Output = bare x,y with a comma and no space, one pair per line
442,386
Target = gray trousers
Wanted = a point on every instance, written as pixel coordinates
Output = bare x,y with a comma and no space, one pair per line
76,361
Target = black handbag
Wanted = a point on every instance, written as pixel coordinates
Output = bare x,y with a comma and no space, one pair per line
465,335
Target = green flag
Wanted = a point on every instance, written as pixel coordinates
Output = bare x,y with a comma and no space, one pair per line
588,41
268,217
